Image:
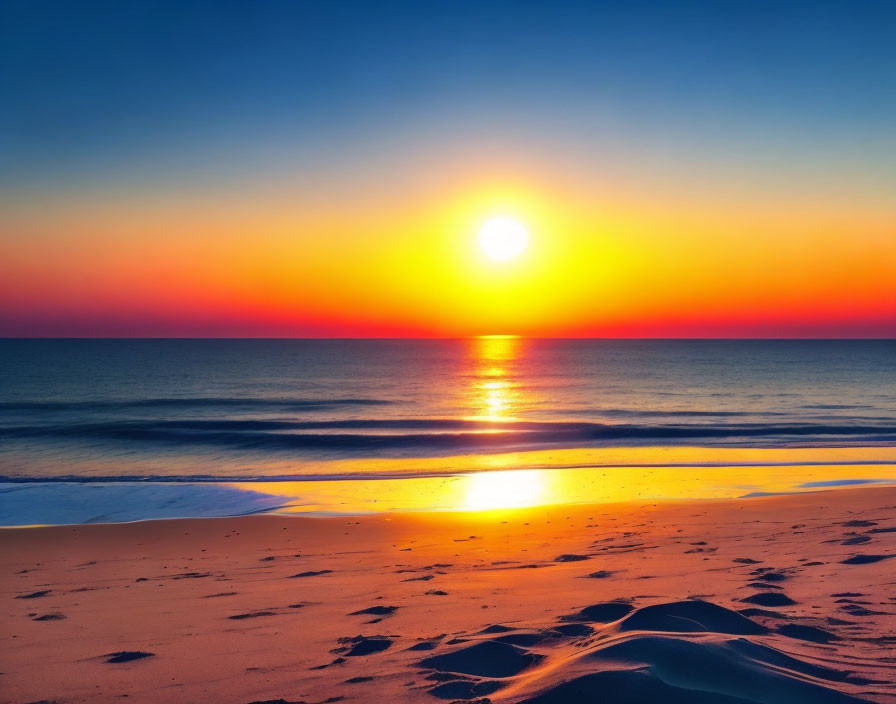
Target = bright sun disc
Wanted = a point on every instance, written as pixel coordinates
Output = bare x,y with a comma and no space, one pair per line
503,238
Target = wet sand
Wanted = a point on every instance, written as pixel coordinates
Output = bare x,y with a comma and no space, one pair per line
775,599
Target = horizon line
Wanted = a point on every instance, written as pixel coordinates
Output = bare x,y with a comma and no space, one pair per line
452,337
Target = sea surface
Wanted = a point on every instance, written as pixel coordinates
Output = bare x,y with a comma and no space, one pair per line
129,429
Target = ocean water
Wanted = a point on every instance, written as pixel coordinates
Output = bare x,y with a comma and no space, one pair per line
79,412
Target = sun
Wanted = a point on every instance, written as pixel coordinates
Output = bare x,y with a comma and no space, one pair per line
503,238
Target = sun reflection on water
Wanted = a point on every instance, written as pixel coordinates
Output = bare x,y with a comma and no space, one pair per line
495,394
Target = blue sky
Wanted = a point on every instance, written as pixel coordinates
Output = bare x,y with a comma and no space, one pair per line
111,90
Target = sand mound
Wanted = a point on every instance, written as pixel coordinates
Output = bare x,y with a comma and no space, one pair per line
707,670
627,687
464,689
486,659
691,616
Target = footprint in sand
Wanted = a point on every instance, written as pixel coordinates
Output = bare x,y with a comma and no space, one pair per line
376,611
571,558
810,633
773,577
34,595
762,586
254,614
359,646
601,574
858,540
769,599
425,645
312,573
497,628
865,559
127,656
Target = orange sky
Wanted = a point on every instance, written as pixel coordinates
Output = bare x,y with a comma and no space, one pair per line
693,169
603,260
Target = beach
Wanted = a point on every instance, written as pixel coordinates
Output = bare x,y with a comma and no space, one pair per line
488,352
766,599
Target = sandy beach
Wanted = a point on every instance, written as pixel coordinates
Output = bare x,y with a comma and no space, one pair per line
494,352
776,599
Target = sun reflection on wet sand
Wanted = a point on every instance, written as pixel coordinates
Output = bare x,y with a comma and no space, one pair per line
513,489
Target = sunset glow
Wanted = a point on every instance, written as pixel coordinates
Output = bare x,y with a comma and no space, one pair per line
610,202
606,269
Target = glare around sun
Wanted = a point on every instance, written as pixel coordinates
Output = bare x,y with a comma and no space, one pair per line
503,238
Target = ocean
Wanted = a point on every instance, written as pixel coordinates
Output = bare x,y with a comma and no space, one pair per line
129,429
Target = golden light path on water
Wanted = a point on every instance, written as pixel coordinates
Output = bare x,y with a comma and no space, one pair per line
495,392
518,480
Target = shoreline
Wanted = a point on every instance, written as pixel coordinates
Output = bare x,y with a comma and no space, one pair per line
507,482
850,485
252,608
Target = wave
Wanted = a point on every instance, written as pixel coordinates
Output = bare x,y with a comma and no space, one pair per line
661,413
432,474
432,434
314,404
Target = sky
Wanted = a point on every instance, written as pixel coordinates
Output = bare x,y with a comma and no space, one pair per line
307,169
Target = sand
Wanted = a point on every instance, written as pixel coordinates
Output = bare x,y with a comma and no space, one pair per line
785,599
